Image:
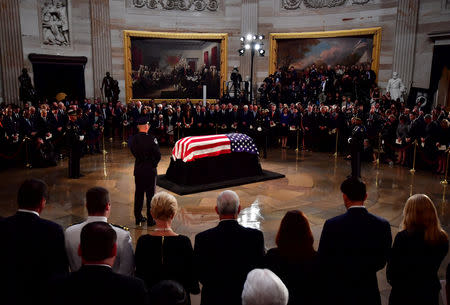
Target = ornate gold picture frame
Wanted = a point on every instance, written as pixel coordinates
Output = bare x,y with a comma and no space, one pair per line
375,33
129,35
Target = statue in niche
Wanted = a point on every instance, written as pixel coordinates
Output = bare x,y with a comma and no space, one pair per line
395,87
55,23
26,89
108,86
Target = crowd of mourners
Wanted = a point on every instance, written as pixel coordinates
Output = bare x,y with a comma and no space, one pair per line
311,109
94,262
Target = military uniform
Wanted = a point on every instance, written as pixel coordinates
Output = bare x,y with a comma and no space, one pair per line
75,143
124,262
356,147
145,149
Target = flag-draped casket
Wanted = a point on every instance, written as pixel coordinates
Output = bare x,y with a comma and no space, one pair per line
206,159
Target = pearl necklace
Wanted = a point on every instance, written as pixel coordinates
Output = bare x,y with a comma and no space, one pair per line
162,229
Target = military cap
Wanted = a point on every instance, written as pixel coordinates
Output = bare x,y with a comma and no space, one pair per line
72,112
142,121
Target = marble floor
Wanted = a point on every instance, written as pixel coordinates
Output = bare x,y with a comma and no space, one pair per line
311,185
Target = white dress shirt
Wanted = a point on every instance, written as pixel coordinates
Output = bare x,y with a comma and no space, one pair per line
124,262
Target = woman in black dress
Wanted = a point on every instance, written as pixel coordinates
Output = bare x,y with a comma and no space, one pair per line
416,255
163,254
294,260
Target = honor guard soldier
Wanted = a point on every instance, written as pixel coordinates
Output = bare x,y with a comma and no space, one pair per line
75,142
356,142
145,149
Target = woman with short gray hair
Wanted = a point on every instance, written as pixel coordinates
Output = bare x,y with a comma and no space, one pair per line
263,287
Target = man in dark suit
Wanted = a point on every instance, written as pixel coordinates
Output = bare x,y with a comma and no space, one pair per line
33,248
95,282
353,247
225,254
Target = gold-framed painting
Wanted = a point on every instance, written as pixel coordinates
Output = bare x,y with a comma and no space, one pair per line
344,47
165,66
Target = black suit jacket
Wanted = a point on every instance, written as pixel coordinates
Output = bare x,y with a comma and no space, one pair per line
223,257
353,247
99,285
33,253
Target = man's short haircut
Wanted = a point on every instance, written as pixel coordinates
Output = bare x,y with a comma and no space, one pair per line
354,188
97,198
263,287
97,241
168,292
228,203
31,193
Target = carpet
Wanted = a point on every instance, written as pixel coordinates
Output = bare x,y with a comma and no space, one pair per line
180,189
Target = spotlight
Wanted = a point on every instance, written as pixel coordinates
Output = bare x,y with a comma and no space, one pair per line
257,46
261,37
254,37
247,46
242,38
261,52
241,52
249,37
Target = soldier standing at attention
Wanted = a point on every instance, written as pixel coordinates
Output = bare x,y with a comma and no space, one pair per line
145,149
75,142
356,142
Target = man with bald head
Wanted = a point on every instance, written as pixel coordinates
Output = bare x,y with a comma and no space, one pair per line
224,255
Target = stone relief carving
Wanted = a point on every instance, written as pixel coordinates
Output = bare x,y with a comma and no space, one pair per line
295,4
182,5
54,22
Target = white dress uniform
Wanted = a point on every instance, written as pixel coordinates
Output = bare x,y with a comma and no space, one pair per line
124,263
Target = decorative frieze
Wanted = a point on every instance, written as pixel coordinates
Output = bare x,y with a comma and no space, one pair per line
296,4
182,5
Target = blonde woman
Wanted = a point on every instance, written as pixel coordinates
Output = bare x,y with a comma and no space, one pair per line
416,255
163,254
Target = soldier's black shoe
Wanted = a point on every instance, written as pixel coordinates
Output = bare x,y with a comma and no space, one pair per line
151,222
140,220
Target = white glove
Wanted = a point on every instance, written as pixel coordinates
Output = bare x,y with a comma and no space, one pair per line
81,138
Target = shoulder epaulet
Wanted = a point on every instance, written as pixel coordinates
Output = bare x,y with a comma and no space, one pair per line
120,227
76,223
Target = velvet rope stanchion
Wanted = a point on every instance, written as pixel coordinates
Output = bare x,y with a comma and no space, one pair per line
298,139
103,142
336,150
413,169
27,157
445,182
124,143
379,150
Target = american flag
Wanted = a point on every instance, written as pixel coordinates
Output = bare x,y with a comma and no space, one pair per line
192,148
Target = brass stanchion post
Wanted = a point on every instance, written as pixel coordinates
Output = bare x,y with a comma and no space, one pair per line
103,142
413,170
445,182
337,136
124,143
379,150
27,157
298,138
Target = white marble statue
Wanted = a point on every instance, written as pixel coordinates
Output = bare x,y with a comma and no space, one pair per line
396,87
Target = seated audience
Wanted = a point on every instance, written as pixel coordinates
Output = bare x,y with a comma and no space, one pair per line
225,254
163,254
294,259
33,248
353,247
168,293
416,255
99,207
95,282
263,287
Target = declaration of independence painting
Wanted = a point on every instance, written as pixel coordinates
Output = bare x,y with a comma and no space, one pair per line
164,68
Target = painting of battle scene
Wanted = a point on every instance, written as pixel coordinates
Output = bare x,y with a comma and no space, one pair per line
174,68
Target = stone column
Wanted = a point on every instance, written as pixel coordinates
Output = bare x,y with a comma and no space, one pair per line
405,40
249,24
101,42
11,54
